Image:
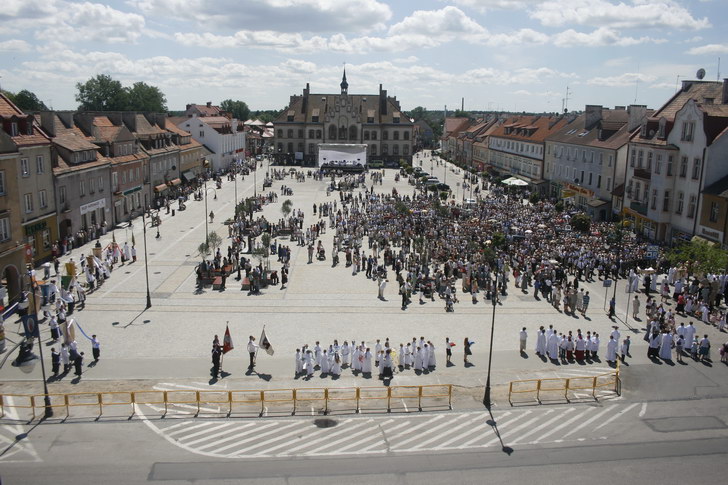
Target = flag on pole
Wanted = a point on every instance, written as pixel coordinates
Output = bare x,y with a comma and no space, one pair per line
227,341
265,343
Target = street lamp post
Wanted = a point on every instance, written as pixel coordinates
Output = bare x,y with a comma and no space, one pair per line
146,254
486,398
48,409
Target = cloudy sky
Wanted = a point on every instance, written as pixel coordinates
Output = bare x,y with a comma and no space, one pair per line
497,54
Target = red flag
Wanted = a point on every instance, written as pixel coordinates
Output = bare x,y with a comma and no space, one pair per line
227,341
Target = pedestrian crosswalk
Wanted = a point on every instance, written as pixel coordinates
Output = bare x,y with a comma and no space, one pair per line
381,434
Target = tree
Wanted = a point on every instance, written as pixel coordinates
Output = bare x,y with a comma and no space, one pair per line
286,208
101,93
143,97
28,101
239,109
699,256
461,114
418,113
581,222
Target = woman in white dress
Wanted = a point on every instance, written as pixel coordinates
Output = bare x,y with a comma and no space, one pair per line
366,367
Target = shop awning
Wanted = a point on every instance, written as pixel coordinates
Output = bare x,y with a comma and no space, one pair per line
188,176
160,188
175,182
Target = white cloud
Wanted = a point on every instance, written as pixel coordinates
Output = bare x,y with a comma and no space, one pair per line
446,22
709,49
609,13
626,79
14,45
602,36
278,15
519,37
484,5
617,61
489,75
544,94
61,20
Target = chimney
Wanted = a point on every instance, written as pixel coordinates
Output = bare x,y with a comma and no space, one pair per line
46,122
636,115
304,105
593,115
188,107
382,101
462,104
724,97
209,104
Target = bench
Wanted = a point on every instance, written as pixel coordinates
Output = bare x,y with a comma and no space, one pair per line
217,283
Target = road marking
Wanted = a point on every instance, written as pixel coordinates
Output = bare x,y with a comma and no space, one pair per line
188,429
174,426
276,429
354,435
406,410
643,410
455,429
315,441
538,428
616,416
426,423
205,431
382,432
508,433
561,426
589,421
474,429
220,440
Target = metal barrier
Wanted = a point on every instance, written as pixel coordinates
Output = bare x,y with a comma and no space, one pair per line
563,385
228,399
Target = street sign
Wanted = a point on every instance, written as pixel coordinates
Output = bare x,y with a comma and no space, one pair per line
607,283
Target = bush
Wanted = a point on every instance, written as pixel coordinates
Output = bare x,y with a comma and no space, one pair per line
409,170
534,198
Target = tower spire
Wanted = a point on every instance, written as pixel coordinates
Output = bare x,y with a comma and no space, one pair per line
344,85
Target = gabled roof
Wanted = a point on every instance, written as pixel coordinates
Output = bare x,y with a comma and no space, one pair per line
697,90
530,128
10,112
205,110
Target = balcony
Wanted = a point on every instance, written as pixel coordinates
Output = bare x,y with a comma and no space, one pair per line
639,207
642,173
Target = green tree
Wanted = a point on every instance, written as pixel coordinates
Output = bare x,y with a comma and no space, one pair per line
28,101
239,109
418,113
461,114
286,208
699,256
143,97
101,93
581,222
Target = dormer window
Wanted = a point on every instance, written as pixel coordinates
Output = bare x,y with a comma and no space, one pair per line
14,129
29,128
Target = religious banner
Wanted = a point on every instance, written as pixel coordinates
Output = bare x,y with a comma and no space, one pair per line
227,341
265,343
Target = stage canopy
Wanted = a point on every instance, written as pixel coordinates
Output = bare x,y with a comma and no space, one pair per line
342,154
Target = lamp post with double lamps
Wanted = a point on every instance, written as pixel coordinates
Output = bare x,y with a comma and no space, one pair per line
155,221
206,164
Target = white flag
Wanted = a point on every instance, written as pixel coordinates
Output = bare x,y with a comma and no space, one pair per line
265,343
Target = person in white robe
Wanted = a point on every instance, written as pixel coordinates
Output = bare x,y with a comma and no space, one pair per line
380,363
65,359
612,350
345,354
367,362
541,342
323,361
308,363
553,347
432,361
401,358
336,365
666,345
127,252
355,360
418,359
299,363
595,345
690,333
408,360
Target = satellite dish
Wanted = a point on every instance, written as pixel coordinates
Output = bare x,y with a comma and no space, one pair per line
700,74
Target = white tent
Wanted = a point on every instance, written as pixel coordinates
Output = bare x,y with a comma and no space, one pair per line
515,181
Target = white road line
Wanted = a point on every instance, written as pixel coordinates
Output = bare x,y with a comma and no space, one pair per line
263,443
175,426
559,426
180,387
589,421
188,429
365,424
338,431
499,425
417,436
457,426
616,416
539,427
510,432
406,410
474,429
386,432
345,438
205,433
243,431
220,440
255,437
643,410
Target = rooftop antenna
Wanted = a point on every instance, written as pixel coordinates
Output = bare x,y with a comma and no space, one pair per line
636,83
717,78
565,100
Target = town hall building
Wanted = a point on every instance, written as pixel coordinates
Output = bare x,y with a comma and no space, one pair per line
374,120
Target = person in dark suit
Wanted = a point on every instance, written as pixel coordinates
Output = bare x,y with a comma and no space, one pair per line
78,364
55,361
